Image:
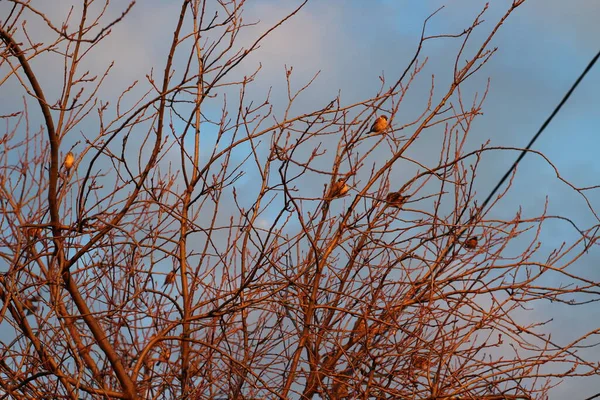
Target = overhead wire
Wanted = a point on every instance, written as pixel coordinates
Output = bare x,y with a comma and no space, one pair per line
539,132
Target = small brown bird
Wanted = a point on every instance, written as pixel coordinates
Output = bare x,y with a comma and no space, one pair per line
362,328
34,232
339,390
170,278
418,361
164,355
338,189
30,304
471,243
395,199
379,125
69,160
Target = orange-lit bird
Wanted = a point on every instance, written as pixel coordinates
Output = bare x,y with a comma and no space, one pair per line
339,390
69,160
164,355
419,361
34,232
380,124
362,328
338,189
170,278
395,199
471,243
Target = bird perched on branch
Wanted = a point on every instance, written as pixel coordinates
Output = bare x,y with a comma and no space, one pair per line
380,124
396,199
338,189
471,243
170,278
30,304
34,232
69,160
419,361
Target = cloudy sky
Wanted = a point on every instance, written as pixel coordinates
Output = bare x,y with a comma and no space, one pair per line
542,48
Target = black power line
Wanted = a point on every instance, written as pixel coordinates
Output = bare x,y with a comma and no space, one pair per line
539,132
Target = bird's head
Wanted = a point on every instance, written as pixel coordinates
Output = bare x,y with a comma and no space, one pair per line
384,117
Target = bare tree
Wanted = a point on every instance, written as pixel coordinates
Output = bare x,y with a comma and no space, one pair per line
186,239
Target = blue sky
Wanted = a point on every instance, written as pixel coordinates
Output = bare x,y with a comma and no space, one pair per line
542,48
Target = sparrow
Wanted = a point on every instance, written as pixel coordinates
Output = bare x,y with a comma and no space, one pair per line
164,355
395,199
470,243
30,304
339,390
419,361
338,189
379,125
170,278
69,160
34,232
362,328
